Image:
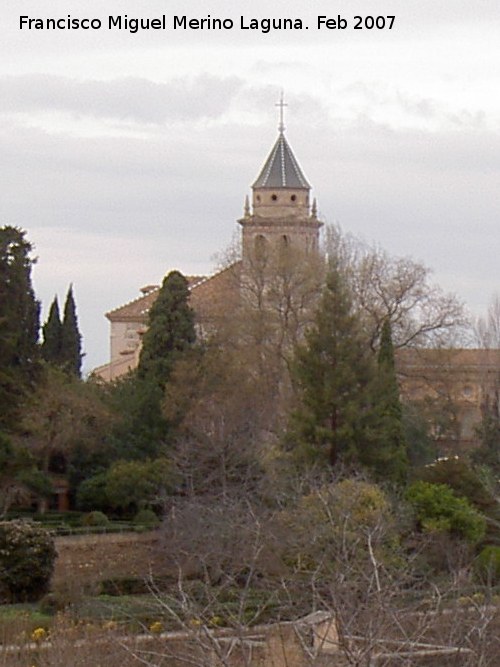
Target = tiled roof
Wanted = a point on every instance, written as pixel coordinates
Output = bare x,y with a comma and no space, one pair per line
116,368
281,169
215,296
137,310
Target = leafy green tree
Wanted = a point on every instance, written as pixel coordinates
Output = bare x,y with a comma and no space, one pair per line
62,416
19,323
171,330
71,340
19,476
91,494
140,429
460,476
438,509
134,484
52,335
487,565
332,370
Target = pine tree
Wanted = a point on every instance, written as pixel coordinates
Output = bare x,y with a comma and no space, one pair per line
19,322
171,330
71,340
385,450
332,370
52,336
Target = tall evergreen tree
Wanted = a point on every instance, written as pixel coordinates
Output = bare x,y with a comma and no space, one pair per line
19,321
142,429
52,335
71,340
385,450
171,330
488,452
332,371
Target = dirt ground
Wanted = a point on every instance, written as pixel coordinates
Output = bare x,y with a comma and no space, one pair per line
85,560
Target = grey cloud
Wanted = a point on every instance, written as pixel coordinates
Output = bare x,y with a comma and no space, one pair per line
137,99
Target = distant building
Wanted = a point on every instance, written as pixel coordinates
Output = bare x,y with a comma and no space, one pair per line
281,215
454,384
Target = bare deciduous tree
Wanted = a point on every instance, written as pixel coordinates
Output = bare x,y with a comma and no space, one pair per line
421,314
488,327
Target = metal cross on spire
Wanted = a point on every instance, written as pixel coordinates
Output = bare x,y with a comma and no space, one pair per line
281,104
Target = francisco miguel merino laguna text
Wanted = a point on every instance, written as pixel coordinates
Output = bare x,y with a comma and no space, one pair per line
133,25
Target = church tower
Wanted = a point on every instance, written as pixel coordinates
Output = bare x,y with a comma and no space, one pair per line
280,215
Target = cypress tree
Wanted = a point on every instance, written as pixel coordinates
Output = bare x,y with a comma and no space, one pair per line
171,330
488,431
71,340
143,429
19,322
331,372
52,335
385,450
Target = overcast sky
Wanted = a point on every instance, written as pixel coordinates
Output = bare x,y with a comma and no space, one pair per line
127,155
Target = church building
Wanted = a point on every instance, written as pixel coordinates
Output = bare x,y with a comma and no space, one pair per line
281,215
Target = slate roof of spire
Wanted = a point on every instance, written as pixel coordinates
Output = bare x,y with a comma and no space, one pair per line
281,169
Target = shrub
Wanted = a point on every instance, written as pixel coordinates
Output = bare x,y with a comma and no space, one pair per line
459,476
146,517
488,564
27,556
119,586
438,509
91,493
52,603
95,518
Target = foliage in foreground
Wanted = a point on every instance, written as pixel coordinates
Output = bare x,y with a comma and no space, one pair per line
27,556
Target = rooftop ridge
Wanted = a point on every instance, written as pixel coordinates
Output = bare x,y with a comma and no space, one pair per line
131,303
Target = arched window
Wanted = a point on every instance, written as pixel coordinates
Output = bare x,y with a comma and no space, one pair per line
260,247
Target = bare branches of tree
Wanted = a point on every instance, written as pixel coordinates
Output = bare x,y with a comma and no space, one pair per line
487,328
421,314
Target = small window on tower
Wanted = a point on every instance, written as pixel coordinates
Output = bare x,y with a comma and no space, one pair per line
260,245
293,197
274,197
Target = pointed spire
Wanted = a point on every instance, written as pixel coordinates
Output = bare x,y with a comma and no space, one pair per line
246,209
314,209
281,169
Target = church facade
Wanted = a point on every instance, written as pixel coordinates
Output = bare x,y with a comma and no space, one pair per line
281,215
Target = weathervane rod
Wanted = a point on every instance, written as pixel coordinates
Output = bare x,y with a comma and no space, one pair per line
281,104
